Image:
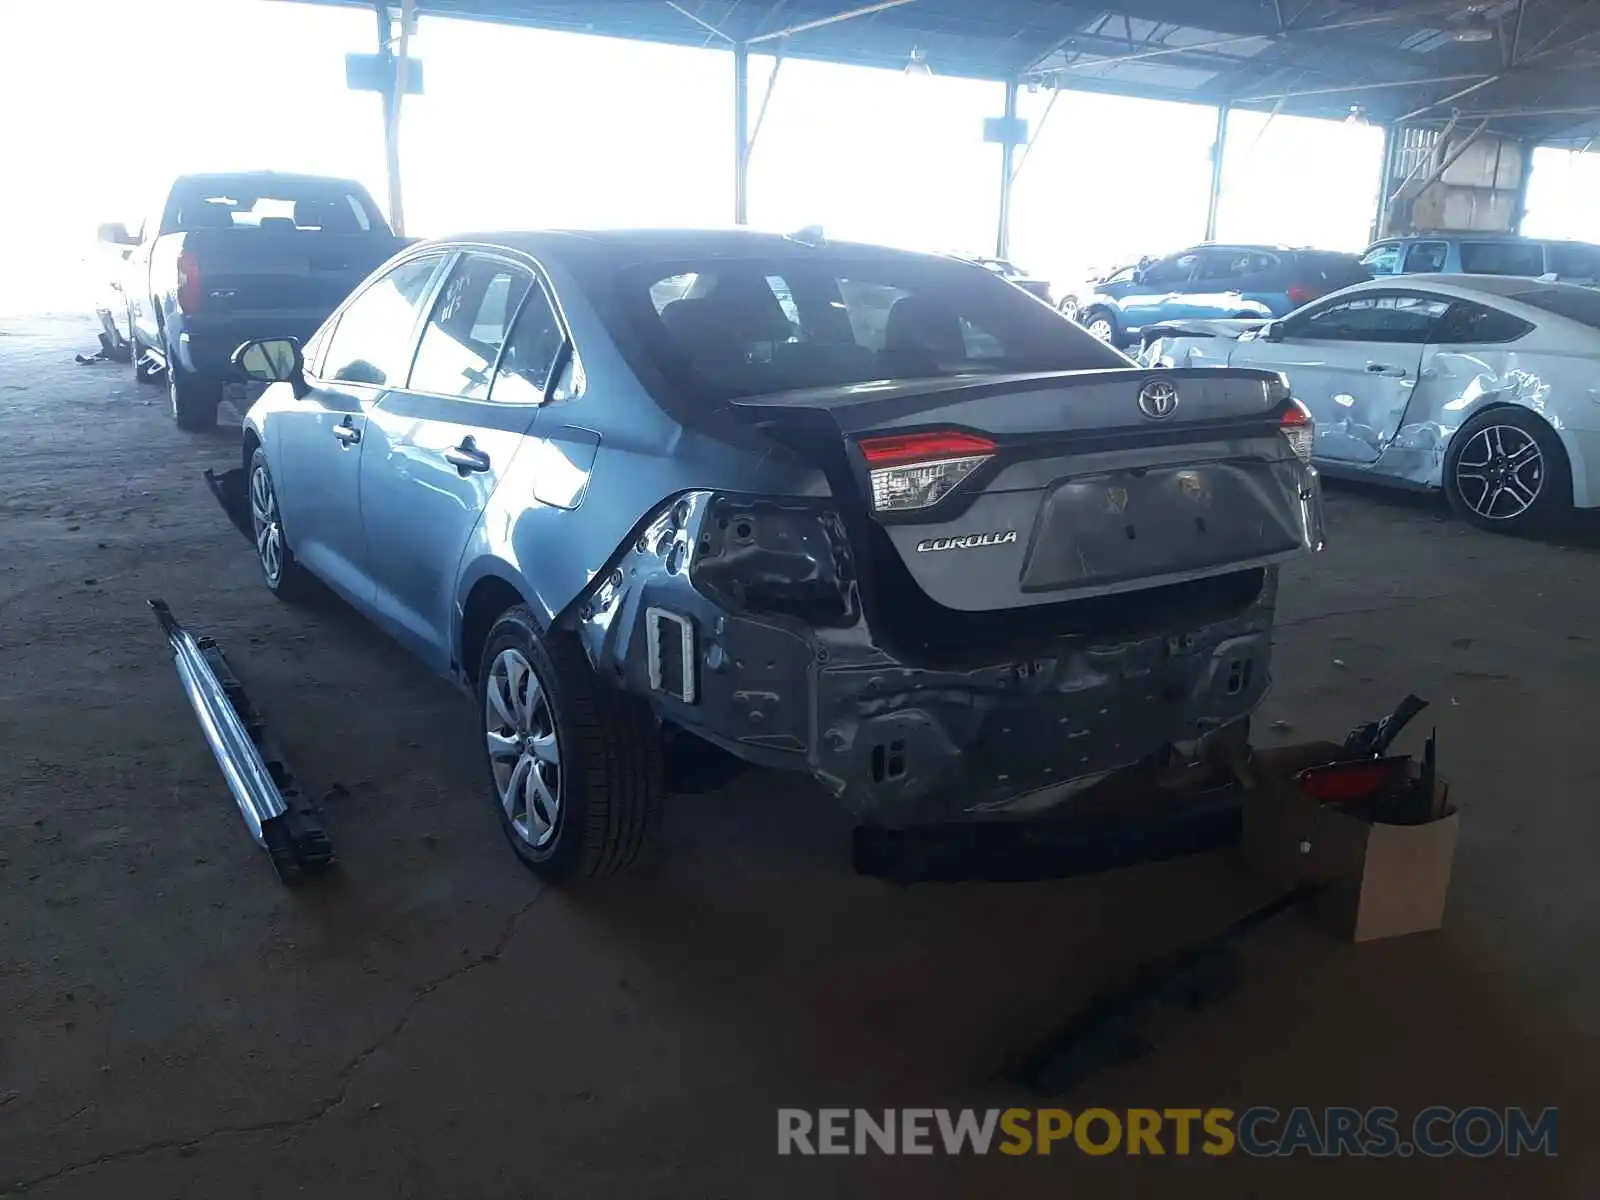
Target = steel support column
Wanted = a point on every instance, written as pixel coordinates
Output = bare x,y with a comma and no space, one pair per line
391,120
1008,150
741,133
1391,151
1218,146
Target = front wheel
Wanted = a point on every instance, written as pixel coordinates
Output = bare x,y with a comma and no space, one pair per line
1507,471
1069,307
284,576
575,763
1102,325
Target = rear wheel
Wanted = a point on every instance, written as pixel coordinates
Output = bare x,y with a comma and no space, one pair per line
1506,470
192,398
575,763
1069,307
1102,324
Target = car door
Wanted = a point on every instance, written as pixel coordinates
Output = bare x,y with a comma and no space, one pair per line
1218,288
1353,362
1156,293
436,451
318,439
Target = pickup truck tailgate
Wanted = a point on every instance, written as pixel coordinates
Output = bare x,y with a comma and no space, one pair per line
250,271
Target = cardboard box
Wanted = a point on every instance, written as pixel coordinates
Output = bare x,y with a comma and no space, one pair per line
1384,880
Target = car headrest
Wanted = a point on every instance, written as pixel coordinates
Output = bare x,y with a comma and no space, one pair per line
277,222
917,323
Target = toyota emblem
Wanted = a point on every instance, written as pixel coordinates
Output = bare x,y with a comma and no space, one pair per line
1158,399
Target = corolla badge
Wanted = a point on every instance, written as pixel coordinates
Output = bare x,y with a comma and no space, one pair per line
969,541
1158,399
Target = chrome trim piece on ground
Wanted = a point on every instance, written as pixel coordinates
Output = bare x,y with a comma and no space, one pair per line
279,819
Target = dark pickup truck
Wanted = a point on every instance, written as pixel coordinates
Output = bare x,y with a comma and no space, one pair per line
231,257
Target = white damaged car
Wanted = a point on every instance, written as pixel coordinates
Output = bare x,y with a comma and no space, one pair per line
1485,386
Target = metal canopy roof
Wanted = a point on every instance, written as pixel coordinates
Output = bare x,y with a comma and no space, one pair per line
1530,67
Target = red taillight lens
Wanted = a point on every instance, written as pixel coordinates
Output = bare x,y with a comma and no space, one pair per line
1345,783
188,282
1300,294
921,447
917,470
1299,429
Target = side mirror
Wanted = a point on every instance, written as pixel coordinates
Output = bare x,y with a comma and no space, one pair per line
116,233
272,360
1272,331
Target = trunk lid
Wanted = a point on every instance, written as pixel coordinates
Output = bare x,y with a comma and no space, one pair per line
1009,492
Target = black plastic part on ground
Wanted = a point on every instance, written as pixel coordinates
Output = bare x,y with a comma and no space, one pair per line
231,490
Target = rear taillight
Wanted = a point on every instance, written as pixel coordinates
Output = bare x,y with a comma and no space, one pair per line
1300,294
1299,428
188,282
917,470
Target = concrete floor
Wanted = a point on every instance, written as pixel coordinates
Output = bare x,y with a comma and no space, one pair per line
433,1024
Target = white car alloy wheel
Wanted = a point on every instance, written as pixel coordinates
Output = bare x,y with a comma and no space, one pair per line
1500,472
524,749
1100,328
266,524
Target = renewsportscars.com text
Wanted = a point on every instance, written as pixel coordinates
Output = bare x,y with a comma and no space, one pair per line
1259,1132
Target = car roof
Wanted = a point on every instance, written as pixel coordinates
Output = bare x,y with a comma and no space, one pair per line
1464,286
259,178
619,246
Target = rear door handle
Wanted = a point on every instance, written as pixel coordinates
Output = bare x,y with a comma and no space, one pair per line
466,457
1384,369
347,433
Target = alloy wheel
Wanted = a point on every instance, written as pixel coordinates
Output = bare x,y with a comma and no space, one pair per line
524,750
266,524
1500,472
1100,328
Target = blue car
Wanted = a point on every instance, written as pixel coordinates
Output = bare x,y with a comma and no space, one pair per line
1217,282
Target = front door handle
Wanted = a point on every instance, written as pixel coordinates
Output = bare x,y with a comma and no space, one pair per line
1374,368
347,433
466,457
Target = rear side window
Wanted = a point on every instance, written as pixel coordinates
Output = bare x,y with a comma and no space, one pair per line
1574,303
470,322
1574,260
1234,264
1467,323
1426,258
734,327
1383,259
1502,258
536,340
374,338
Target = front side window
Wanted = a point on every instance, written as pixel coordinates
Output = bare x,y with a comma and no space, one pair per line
1383,259
1502,258
748,327
1408,319
469,324
1234,264
1173,270
373,340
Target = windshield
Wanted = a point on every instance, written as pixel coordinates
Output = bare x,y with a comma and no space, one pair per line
721,329
1576,304
286,204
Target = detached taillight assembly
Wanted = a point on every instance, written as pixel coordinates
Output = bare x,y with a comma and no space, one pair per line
917,470
188,282
1299,429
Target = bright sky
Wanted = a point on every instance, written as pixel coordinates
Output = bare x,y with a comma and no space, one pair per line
523,128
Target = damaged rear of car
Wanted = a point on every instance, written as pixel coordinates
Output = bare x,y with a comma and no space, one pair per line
998,583
876,517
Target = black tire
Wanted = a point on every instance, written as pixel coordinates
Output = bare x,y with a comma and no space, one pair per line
193,399
1114,335
610,778
291,582
1514,451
